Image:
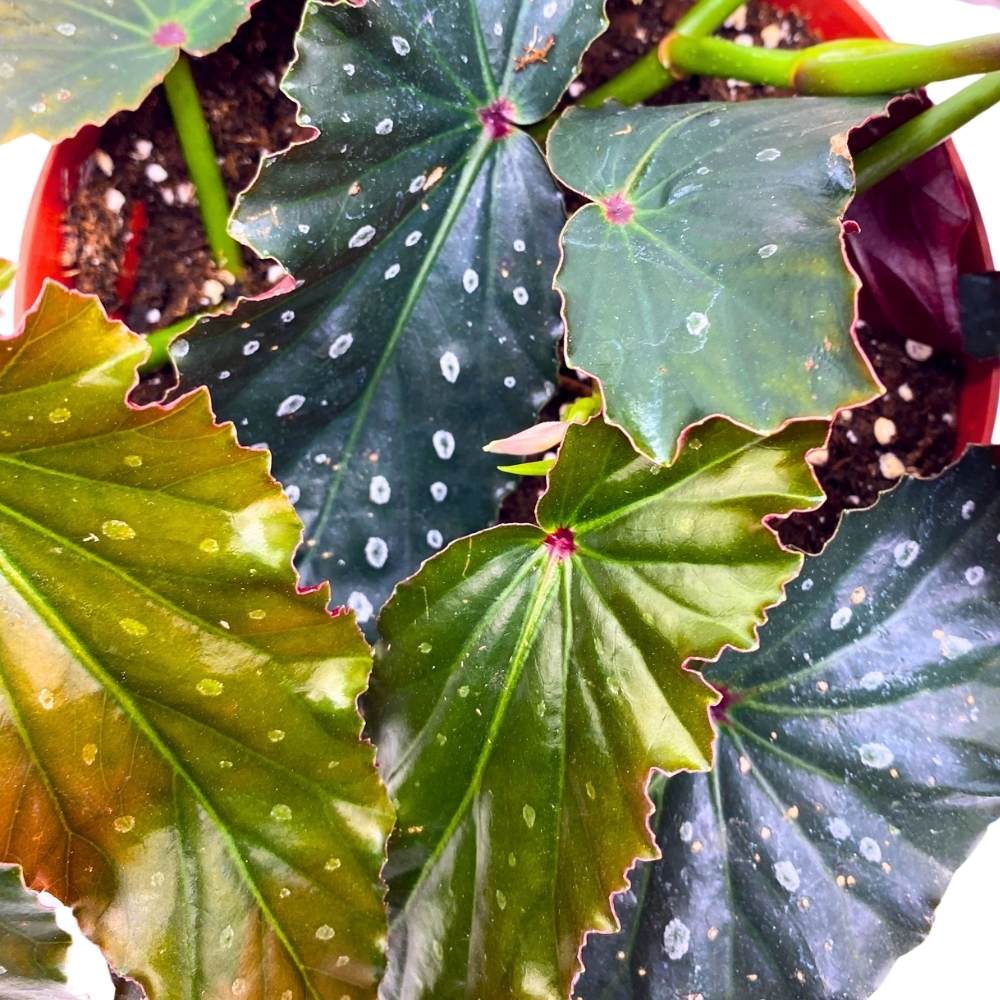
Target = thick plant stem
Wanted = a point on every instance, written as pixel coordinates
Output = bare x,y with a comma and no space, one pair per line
648,76
845,67
923,133
203,165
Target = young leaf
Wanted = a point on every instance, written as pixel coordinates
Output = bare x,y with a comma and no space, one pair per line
33,948
425,226
858,762
177,723
65,64
531,677
723,286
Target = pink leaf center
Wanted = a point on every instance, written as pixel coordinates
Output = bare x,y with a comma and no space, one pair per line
170,34
496,118
720,712
561,544
618,210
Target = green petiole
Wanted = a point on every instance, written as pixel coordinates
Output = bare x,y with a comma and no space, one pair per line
648,75
203,165
845,67
910,141
159,343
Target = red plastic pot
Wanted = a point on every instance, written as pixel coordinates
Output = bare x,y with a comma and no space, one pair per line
830,19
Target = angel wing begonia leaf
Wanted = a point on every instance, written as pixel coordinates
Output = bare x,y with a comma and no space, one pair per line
33,948
64,64
716,234
178,725
424,224
858,762
529,679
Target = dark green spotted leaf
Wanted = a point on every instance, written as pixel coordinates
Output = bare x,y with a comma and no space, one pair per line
67,63
531,677
33,948
716,232
178,732
979,300
424,224
858,762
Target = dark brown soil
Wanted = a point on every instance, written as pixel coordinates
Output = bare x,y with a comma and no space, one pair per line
915,419
921,400
139,161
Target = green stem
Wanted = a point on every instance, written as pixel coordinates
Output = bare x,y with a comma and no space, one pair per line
910,141
159,343
845,67
648,75
203,165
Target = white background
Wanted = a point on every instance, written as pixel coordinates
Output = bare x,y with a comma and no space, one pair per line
959,958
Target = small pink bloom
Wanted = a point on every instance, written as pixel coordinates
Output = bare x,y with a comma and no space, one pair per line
534,440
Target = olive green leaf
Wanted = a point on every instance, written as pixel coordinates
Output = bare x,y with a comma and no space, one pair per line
716,238
858,763
424,226
531,677
178,727
66,63
33,948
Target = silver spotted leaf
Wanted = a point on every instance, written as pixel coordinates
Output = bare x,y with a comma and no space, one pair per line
423,224
858,763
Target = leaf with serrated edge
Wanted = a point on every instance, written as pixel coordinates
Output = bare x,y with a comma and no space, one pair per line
857,768
716,230
64,64
531,677
177,724
427,322
33,948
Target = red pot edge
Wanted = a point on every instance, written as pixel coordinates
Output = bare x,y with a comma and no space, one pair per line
42,241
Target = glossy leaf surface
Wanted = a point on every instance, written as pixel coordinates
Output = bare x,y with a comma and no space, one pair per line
859,765
427,237
33,948
177,724
716,233
531,677
64,64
